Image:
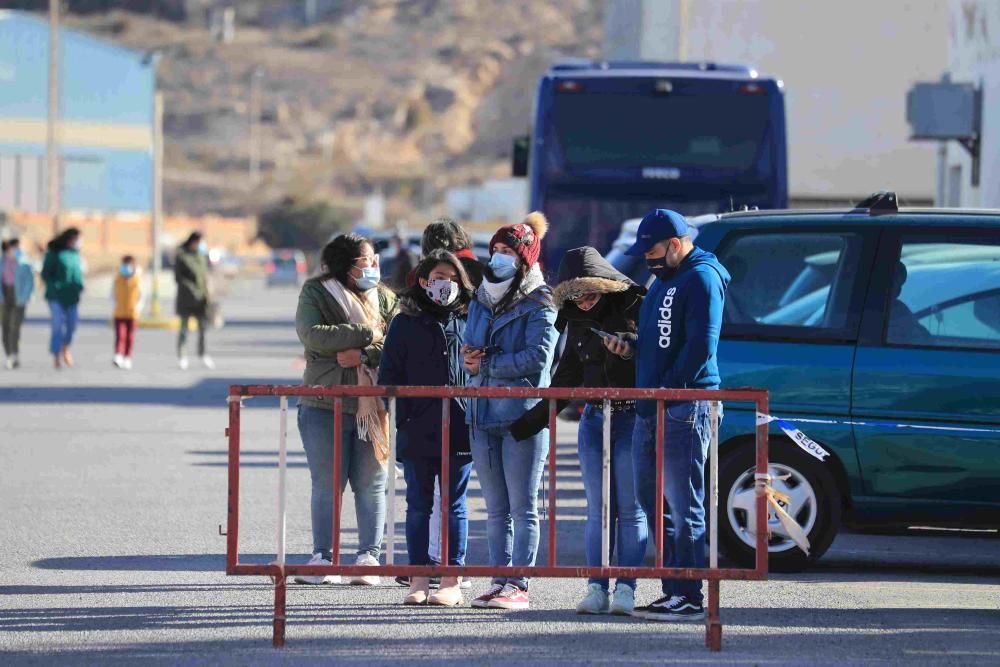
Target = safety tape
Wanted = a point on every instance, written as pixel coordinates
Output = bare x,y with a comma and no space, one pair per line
809,445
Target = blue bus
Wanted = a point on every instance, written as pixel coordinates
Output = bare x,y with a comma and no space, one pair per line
613,140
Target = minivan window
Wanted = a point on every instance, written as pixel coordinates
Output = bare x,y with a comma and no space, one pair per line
945,295
791,279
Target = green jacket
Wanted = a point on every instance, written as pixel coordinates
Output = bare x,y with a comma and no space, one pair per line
191,274
323,328
63,276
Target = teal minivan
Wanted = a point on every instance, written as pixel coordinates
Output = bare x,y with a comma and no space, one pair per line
877,332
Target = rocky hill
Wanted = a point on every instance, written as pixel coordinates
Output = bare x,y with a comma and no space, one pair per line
405,96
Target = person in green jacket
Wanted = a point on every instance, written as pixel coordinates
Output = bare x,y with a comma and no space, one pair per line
63,276
191,274
341,319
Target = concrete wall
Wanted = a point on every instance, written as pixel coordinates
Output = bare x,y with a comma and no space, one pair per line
973,40
106,102
846,66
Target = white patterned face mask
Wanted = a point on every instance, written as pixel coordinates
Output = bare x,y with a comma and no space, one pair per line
442,292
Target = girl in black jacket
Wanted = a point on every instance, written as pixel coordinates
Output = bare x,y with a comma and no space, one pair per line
592,294
423,347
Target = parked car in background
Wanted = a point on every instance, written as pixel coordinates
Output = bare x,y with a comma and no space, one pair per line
286,267
877,333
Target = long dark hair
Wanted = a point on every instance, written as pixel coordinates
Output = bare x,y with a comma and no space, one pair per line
340,255
423,270
64,239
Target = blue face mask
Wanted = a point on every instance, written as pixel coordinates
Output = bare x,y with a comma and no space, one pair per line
503,266
18,253
370,275
202,248
127,270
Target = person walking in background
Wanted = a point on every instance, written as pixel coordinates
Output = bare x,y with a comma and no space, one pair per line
191,274
510,341
592,294
675,348
423,347
17,282
341,320
63,276
128,299
403,264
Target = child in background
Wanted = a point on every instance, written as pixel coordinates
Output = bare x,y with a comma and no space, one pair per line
128,297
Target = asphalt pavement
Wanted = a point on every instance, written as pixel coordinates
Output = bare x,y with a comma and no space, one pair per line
113,488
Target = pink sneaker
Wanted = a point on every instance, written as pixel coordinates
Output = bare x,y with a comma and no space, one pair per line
484,600
511,597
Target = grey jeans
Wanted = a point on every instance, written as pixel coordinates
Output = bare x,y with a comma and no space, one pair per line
11,319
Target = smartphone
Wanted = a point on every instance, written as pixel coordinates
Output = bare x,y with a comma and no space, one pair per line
604,334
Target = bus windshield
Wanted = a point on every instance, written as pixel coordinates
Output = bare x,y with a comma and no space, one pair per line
723,130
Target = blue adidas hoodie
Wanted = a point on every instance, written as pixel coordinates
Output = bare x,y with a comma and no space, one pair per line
679,327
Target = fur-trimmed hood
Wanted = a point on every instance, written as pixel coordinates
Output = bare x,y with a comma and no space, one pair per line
584,271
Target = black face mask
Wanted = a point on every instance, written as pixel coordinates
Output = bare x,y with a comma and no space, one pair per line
658,267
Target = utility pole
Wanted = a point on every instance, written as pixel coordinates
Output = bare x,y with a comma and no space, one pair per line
256,78
52,126
157,212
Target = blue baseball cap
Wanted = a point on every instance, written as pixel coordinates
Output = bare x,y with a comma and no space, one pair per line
659,224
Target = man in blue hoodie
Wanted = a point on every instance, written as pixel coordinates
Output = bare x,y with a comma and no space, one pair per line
675,348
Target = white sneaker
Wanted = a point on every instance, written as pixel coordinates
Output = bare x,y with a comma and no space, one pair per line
366,559
595,602
207,362
623,601
128,363
319,579
183,363
118,361
10,363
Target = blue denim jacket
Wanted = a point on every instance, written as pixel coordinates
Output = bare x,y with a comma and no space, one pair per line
523,342
24,280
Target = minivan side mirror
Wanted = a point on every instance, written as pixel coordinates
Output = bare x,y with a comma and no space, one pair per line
519,156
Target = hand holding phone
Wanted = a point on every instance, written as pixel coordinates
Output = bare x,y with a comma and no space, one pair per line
614,344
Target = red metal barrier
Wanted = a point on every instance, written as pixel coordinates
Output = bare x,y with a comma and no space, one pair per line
279,571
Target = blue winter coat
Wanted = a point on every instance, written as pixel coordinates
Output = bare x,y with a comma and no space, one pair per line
522,342
24,280
420,349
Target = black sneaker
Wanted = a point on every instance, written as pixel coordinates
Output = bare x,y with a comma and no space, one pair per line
435,582
675,608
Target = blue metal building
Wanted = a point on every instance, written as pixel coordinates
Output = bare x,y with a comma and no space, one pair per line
106,119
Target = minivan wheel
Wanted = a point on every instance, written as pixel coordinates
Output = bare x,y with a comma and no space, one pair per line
815,504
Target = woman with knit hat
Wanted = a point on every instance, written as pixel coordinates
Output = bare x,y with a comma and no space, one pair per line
510,340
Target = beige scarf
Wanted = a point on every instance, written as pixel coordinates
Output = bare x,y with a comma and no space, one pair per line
372,418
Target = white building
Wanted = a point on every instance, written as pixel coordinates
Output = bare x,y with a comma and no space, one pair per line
973,40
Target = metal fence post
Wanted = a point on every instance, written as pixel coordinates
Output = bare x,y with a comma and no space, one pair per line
390,523
606,487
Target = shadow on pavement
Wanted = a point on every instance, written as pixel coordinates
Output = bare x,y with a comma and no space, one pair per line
209,392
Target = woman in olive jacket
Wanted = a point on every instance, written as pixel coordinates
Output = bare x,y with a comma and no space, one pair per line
341,321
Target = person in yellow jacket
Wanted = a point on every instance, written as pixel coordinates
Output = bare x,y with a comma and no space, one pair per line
128,299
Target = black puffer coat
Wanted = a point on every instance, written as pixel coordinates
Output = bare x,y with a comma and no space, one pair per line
424,348
585,361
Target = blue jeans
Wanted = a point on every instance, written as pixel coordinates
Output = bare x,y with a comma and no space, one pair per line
631,533
63,325
686,434
357,465
421,475
509,473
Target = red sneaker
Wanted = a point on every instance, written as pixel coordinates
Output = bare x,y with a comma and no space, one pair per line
511,597
484,600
